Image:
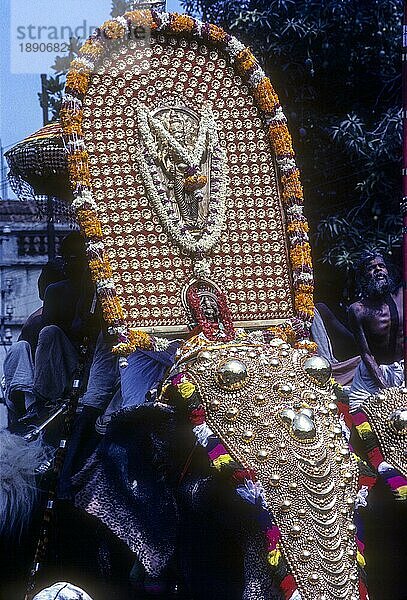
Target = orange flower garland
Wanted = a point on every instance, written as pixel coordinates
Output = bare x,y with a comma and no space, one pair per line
78,81
141,18
112,309
292,187
100,269
93,48
78,166
245,60
90,224
137,339
217,34
113,30
182,23
281,140
73,120
297,226
71,116
265,95
300,255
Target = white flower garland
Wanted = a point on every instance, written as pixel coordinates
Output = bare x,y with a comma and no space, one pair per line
207,135
162,205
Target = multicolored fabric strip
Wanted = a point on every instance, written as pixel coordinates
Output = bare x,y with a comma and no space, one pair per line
394,479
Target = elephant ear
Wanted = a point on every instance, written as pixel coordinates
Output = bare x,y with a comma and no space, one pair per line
382,425
278,421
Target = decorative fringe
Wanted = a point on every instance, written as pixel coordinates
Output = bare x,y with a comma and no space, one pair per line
19,461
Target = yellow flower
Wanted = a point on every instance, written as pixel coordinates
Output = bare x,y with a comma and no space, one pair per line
245,60
292,187
307,345
93,48
217,34
100,269
181,23
78,169
266,97
300,255
297,226
112,309
304,304
71,121
281,140
141,18
113,30
186,389
89,223
77,66
78,81
140,339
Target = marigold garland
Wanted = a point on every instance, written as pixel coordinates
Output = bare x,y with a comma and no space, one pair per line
79,66
245,60
77,85
93,48
292,187
307,345
74,121
78,168
78,81
89,223
100,269
112,310
304,304
281,139
141,18
182,23
298,226
265,95
136,339
217,34
113,30
300,255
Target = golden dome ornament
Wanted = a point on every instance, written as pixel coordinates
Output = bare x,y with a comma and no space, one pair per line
232,375
398,421
318,369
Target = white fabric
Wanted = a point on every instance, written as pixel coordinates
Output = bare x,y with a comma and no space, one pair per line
363,385
62,591
321,338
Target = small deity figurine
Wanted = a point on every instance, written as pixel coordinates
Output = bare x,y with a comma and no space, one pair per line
188,198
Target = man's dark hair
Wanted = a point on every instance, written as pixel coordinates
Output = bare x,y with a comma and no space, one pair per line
365,258
51,272
365,283
73,245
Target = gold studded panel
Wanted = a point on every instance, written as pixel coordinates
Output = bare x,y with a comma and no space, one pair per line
250,261
387,413
280,422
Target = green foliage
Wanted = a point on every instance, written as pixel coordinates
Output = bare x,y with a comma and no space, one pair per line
336,67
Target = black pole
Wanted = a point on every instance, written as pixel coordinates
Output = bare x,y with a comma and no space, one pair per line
50,202
44,99
50,228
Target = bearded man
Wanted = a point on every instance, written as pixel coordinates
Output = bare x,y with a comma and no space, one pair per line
377,324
